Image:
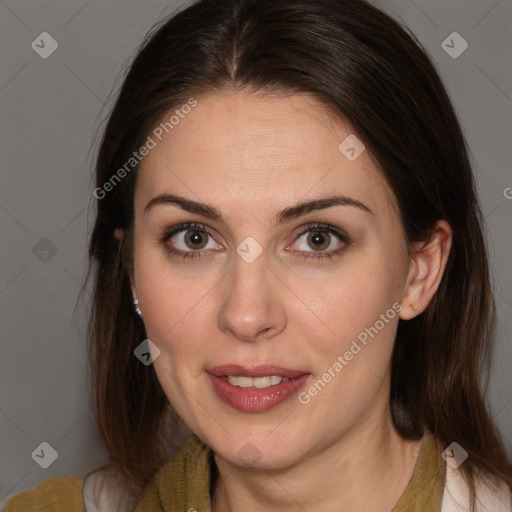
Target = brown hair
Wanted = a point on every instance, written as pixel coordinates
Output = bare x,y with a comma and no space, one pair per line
373,73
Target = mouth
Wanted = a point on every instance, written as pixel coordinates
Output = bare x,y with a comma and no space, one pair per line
257,382
265,370
255,388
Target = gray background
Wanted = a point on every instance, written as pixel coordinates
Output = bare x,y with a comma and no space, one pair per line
50,110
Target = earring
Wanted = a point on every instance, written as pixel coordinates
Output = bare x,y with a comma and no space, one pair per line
137,309
413,307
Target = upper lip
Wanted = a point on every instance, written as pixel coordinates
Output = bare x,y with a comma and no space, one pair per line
265,370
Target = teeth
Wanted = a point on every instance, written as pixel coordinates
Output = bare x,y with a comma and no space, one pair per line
257,382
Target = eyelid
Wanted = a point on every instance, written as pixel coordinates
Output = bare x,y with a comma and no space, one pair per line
322,226
169,232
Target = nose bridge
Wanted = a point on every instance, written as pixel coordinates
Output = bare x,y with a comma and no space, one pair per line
249,304
248,286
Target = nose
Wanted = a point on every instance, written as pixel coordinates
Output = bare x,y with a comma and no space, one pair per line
252,301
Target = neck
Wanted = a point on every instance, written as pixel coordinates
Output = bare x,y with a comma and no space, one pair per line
366,469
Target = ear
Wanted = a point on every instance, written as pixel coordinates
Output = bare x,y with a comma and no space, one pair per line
119,234
427,265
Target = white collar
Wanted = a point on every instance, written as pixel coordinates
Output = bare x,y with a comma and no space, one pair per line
456,495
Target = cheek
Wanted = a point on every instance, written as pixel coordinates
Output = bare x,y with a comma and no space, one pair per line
341,305
177,307
356,317
174,315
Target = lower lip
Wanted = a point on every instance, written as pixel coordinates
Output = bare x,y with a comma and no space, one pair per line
254,399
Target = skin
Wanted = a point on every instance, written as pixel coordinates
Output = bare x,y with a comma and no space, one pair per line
250,157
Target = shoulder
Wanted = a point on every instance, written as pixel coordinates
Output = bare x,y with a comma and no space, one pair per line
59,494
490,497
100,490
103,492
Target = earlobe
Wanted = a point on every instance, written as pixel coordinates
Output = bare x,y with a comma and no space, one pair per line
428,262
119,233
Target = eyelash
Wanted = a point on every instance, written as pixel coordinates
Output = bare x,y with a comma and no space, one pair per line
192,226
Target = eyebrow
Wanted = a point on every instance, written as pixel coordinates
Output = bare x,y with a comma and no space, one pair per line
289,213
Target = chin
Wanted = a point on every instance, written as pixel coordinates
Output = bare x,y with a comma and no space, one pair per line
259,451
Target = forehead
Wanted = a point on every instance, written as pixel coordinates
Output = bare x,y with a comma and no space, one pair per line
272,148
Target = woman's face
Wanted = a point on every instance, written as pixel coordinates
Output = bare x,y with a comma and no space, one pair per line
256,293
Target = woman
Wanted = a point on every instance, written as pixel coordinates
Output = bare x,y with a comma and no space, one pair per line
275,193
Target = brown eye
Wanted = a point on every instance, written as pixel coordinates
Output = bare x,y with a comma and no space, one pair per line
319,240
188,241
196,239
